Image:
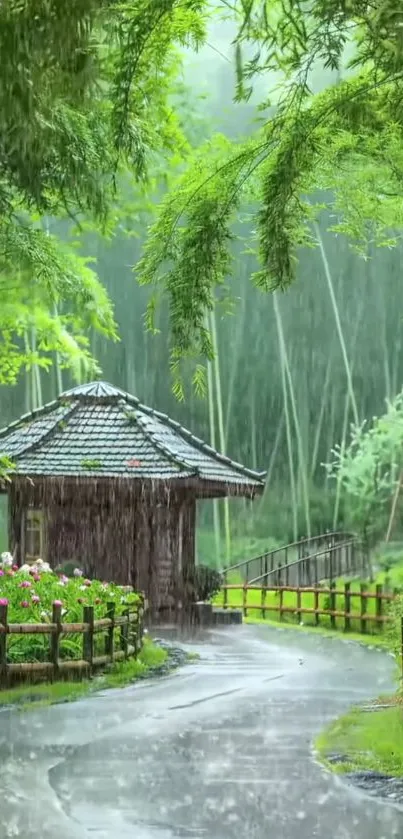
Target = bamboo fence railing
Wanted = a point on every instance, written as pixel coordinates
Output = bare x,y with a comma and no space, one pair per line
130,640
332,609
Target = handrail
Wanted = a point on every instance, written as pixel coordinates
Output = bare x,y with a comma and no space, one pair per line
330,534
298,561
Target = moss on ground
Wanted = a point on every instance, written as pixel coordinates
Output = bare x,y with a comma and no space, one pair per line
118,675
365,740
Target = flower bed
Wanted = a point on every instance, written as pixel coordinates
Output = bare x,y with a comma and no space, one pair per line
30,594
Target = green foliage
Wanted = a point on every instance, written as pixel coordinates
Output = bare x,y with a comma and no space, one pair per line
6,467
85,94
369,469
33,604
346,141
204,583
90,464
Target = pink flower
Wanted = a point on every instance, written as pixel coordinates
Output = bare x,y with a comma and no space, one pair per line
35,598
37,578
87,582
24,604
15,567
1,572
57,603
25,584
3,601
64,579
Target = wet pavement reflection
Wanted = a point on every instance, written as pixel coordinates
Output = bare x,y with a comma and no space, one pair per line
221,748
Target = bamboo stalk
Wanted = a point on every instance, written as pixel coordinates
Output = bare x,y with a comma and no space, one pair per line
301,455
216,508
337,320
288,433
221,432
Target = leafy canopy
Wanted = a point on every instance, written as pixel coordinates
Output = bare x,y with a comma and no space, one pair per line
345,141
85,97
370,468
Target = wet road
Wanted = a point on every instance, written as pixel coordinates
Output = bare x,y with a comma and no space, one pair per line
221,749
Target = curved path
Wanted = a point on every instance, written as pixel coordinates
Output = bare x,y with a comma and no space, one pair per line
221,749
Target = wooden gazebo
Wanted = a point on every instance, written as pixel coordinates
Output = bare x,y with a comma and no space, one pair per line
108,483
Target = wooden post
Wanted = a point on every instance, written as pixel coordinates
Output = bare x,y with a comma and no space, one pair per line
378,606
109,638
55,639
245,600
316,606
347,607
263,600
124,635
88,636
225,597
280,603
3,644
363,609
265,584
332,604
298,604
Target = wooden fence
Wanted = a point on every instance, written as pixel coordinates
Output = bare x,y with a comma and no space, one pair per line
332,610
130,639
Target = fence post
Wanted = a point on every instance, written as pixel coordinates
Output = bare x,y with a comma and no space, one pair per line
55,639
3,644
109,638
347,607
316,605
363,628
263,599
332,604
378,606
225,596
88,637
140,627
124,634
299,604
280,603
245,600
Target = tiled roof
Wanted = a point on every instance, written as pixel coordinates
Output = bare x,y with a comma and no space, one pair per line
100,431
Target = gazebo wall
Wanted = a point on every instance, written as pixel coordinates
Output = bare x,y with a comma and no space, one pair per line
124,533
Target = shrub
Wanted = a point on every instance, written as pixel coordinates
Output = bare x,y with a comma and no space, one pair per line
204,583
30,595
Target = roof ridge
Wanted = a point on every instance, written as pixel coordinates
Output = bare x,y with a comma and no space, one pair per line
164,449
201,445
30,416
37,443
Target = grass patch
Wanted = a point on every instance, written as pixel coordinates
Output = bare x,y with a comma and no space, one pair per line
383,641
370,740
118,675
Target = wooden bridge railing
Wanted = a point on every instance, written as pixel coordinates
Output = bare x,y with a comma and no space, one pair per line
270,561
130,640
